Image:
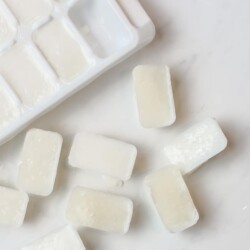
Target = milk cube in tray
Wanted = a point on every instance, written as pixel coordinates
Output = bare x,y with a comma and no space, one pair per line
196,145
65,238
62,51
19,68
7,29
172,199
99,210
39,161
28,11
103,155
13,205
9,109
154,96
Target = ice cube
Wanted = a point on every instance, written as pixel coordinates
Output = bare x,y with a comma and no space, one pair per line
65,238
96,153
8,109
23,73
99,210
196,145
13,205
7,30
39,161
172,199
154,94
28,11
62,51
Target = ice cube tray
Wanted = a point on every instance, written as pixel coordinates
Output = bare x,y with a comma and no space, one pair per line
51,49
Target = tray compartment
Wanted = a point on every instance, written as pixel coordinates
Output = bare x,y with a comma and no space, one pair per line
58,45
22,71
7,30
30,11
9,109
103,29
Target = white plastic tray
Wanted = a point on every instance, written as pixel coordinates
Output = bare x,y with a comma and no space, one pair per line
107,31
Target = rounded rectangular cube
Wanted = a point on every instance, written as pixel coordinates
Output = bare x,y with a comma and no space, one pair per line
20,69
96,153
154,95
39,161
99,210
196,145
13,205
7,30
65,238
29,11
63,52
8,108
172,199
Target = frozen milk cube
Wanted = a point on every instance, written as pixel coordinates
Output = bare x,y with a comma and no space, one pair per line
8,109
38,162
7,30
62,51
103,155
28,11
172,199
196,145
65,238
99,210
24,74
154,95
13,205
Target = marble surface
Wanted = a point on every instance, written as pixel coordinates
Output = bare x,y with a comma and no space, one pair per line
207,46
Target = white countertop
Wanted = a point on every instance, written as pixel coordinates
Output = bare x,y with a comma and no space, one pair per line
207,46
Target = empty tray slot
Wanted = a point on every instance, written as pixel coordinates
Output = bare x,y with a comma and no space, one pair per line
28,11
62,51
21,70
101,27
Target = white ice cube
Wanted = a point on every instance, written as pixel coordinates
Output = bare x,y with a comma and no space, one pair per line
24,74
172,199
8,109
65,238
39,161
7,30
28,11
196,145
154,95
62,51
96,153
99,210
13,205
